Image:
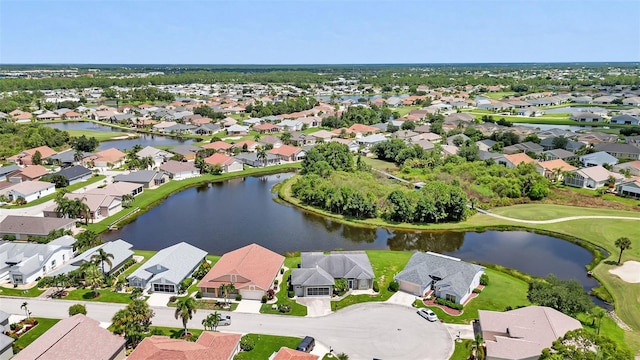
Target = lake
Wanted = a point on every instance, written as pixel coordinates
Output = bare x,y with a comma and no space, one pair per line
144,139
224,216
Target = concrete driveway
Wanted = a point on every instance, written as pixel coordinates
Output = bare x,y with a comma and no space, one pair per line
316,306
159,299
402,298
249,307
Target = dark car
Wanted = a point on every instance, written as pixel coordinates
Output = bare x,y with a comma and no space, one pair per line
307,344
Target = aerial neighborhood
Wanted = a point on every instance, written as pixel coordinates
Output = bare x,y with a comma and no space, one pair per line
359,152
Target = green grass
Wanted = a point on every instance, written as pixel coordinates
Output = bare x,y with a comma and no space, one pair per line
33,292
105,296
283,299
503,290
44,324
380,164
533,212
462,350
150,198
99,135
174,333
69,188
608,328
404,110
498,95
265,345
208,304
385,264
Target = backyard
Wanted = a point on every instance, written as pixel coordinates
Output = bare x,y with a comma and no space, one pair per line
30,336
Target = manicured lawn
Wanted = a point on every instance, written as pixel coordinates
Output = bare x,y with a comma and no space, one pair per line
536,212
33,292
69,188
265,345
385,265
608,328
174,333
105,296
380,164
44,324
503,290
462,350
404,110
498,95
99,135
209,305
283,299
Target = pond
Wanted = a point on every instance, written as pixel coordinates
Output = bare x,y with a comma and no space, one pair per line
221,217
144,139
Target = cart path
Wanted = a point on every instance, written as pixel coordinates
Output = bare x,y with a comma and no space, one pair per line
553,221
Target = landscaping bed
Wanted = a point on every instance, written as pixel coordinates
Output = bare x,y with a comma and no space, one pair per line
39,326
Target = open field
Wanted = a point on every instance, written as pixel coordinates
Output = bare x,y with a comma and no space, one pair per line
498,95
99,135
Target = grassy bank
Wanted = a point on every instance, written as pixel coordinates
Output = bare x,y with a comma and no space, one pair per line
99,135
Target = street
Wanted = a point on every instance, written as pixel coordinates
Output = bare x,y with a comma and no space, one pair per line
363,331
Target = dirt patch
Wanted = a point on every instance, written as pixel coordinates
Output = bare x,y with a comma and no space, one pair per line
573,198
628,272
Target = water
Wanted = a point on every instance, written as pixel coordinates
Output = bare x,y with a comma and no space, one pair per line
144,139
221,217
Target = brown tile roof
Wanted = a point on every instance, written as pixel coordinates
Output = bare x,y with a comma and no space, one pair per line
285,150
253,265
556,164
209,346
174,167
290,354
26,155
219,159
241,144
519,158
75,338
111,155
360,128
265,127
34,171
217,145
30,225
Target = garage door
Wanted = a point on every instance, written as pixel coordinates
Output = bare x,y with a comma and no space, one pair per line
411,288
318,291
252,294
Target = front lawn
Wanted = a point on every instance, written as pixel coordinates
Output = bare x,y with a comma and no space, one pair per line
503,290
105,296
265,345
386,264
174,333
462,349
30,336
33,292
283,299
208,305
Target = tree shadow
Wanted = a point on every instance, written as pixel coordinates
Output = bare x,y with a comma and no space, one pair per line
611,262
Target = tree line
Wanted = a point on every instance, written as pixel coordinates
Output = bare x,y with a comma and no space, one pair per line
287,106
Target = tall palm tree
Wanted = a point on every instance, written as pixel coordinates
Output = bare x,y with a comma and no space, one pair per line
126,200
227,289
185,309
93,278
623,244
78,155
26,310
101,257
598,313
261,154
62,205
211,321
82,208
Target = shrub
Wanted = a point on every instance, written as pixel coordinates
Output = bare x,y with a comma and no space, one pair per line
284,308
238,297
77,309
270,294
477,291
173,299
448,304
376,288
281,271
275,282
246,344
484,279
290,294
184,286
264,299
393,286
199,295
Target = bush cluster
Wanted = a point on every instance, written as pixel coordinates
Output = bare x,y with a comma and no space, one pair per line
449,304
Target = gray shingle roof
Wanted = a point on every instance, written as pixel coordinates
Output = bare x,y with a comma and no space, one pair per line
454,274
351,265
74,172
31,225
142,176
174,263
120,249
311,277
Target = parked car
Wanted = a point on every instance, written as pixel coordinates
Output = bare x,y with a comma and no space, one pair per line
225,320
428,314
307,344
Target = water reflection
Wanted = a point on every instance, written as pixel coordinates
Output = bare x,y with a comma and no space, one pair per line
440,242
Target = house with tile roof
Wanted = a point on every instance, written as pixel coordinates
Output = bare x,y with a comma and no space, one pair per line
209,346
105,159
24,157
100,205
450,278
251,269
290,354
522,333
633,167
554,169
318,271
179,170
159,156
228,163
75,338
219,146
165,271
513,160
592,177
28,173
120,249
26,227
288,153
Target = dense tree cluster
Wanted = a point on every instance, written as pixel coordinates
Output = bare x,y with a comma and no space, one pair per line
287,106
359,115
133,322
208,112
327,157
583,345
143,94
566,296
84,144
436,202
17,137
630,131
19,100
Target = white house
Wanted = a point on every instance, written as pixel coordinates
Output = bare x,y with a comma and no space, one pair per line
179,170
592,177
23,263
29,190
290,125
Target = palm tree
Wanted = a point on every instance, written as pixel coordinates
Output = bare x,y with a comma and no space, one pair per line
82,208
126,200
261,154
285,137
623,244
101,257
598,313
211,321
256,137
26,310
185,309
62,205
93,278
78,155
227,289
85,240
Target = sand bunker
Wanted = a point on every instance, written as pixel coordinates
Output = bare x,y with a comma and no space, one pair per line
629,271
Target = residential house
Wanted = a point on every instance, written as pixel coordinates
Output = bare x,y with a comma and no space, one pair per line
228,163
6,346
25,157
266,128
207,129
29,190
71,115
237,130
120,249
554,169
625,120
592,177
351,144
310,121
75,338
522,333
251,122
168,268
272,141
317,272
571,145
423,128
209,346
619,151
67,158
29,173
323,135
75,174
585,117
179,170
485,145
6,170
361,129
118,189
513,160
253,160
246,145
290,354
100,205
163,126
251,269
301,139
159,156
181,129
633,167
20,116
25,227
371,140
597,137
290,125
105,159
24,263
149,179
450,278
188,152
607,99
629,188
524,147
288,153
561,154
599,158
631,101
219,146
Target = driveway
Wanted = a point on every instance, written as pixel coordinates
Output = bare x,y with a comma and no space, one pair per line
249,307
465,331
159,299
402,298
363,331
316,306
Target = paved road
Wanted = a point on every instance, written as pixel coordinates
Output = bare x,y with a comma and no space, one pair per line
364,331
553,221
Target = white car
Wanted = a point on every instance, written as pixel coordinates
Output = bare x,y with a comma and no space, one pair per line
428,314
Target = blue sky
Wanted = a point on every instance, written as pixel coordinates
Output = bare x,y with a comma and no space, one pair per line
318,32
